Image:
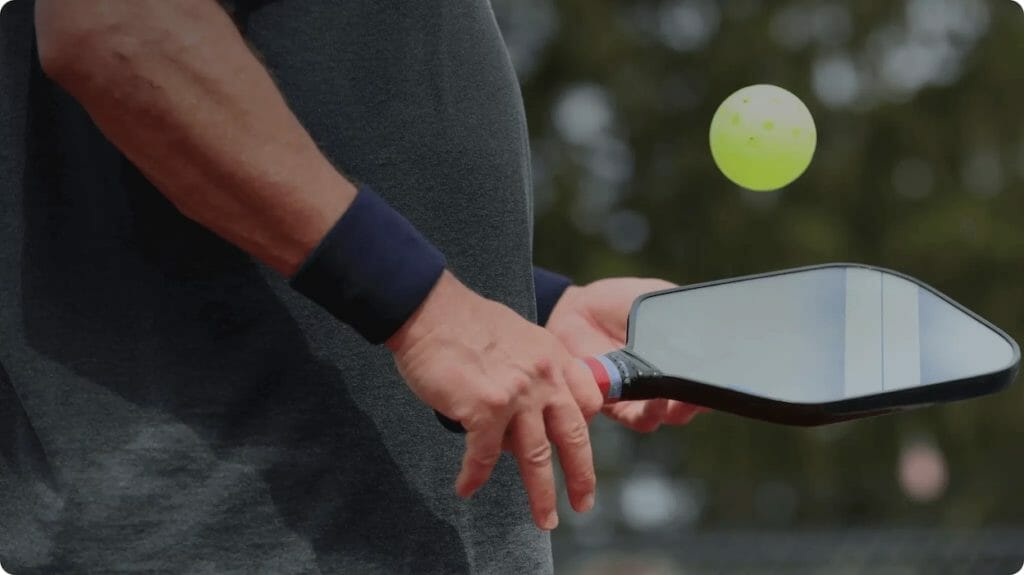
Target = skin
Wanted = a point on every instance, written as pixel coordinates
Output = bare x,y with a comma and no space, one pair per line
591,320
174,86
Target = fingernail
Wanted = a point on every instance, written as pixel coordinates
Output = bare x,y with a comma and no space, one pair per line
552,521
587,503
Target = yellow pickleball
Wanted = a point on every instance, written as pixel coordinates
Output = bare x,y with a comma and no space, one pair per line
763,137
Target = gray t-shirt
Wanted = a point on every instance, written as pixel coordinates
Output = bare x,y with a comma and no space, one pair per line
167,404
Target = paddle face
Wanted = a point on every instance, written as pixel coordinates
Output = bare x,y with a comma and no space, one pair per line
810,346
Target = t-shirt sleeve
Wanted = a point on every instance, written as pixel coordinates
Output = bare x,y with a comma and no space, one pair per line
549,287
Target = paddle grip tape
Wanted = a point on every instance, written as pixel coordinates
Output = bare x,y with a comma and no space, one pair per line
608,377
372,269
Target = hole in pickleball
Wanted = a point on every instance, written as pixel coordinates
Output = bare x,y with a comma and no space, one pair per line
769,125
746,100
736,119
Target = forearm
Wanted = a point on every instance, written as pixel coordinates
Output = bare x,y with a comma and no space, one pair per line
174,86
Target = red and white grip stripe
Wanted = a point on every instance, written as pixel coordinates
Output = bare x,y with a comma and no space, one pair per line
608,378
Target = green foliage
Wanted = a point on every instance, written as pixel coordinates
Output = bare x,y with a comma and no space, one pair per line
926,179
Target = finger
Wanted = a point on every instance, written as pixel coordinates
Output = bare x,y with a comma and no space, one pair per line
584,389
568,430
483,449
653,415
625,412
533,453
679,413
642,416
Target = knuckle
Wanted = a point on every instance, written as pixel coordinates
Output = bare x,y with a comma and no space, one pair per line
584,480
539,456
495,400
544,368
577,436
591,404
484,459
474,420
478,421
519,385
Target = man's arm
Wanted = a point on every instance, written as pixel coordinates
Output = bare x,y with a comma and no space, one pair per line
174,86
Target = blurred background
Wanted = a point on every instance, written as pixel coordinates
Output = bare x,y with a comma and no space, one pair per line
919,168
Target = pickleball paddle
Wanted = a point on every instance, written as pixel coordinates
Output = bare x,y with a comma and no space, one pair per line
809,346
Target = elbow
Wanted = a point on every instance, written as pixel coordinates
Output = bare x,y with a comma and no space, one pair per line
78,43
57,61
63,46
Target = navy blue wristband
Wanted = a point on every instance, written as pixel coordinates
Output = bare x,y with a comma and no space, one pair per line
549,287
372,269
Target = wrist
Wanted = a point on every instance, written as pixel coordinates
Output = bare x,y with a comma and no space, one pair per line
372,270
425,318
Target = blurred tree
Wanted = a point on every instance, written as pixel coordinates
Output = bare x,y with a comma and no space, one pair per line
920,168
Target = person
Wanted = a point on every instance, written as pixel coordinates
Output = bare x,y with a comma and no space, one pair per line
247,246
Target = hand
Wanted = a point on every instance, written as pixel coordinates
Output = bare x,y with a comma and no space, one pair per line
591,320
509,383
